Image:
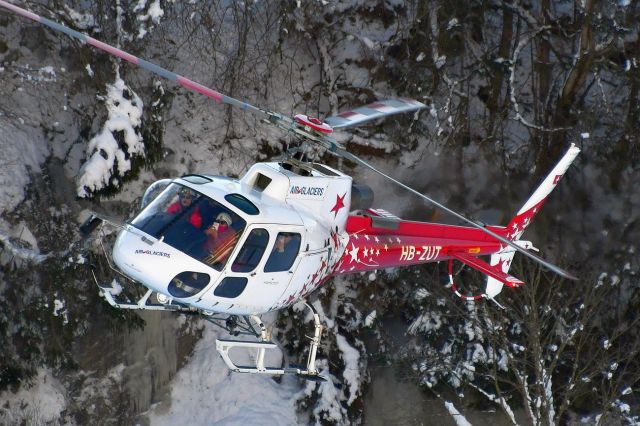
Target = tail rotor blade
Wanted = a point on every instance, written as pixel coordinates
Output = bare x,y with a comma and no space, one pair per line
500,238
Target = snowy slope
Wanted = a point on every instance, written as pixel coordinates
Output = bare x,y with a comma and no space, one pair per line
206,393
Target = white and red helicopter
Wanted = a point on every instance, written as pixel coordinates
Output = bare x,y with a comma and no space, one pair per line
233,249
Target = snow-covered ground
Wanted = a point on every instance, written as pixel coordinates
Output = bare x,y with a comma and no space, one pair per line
39,403
206,393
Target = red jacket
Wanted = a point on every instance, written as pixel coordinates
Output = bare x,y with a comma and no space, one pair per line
195,219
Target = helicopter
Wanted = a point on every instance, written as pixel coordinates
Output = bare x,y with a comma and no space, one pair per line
234,249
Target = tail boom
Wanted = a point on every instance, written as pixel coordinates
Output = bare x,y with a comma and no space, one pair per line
405,243
379,240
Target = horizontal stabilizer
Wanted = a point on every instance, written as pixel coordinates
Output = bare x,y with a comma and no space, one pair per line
372,111
485,268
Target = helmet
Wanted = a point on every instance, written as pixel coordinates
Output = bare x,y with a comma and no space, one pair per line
185,192
224,217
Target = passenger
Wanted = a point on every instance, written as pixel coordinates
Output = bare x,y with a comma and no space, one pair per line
185,201
284,252
282,242
221,239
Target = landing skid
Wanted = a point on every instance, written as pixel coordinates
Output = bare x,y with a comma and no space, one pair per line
235,328
310,373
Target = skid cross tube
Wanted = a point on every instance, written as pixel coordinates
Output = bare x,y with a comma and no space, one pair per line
224,346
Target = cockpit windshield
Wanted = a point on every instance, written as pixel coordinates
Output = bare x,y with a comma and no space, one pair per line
192,223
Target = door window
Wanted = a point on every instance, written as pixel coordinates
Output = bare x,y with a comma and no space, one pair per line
252,251
284,252
230,287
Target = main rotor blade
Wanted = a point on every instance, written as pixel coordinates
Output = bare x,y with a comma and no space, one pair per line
183,81
372,111
500,238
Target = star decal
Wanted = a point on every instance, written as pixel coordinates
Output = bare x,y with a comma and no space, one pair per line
353,253
339,204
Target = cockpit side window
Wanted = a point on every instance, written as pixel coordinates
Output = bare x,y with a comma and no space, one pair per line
284,252
153,190
252,251
192,223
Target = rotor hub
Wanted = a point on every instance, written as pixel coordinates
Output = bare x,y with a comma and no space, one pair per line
313,124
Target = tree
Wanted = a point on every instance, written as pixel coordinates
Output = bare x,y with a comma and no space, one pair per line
559,349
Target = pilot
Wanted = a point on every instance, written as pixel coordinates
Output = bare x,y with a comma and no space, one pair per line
184,202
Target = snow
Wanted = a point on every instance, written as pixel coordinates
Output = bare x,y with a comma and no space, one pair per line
205,392
154,14
426,322
107,158
351,373
14,248
623,407
457,416
503,360
328,408
116,288
478,355
82,21
421,293
59,310
369,319
40,403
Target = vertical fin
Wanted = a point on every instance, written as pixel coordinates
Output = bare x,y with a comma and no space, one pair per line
523,218
525,215
503,261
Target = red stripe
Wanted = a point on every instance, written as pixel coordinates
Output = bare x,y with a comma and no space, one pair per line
112,50
197,87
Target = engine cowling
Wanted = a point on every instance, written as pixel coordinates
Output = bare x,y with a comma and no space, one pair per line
361,196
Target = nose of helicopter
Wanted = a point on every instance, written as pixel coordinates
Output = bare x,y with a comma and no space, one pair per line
157,265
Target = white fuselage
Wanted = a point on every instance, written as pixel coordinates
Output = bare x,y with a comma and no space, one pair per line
311,211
